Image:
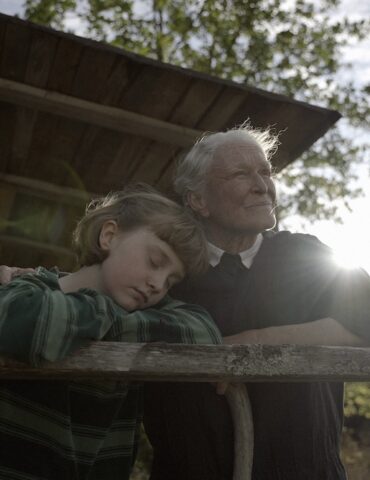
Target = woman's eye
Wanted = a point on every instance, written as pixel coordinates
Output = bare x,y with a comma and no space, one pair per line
240,174
266,172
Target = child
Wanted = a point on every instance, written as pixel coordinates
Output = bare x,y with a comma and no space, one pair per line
132,246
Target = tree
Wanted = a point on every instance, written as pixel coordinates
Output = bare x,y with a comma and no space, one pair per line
293,48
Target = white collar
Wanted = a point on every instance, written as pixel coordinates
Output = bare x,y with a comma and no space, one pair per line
247,256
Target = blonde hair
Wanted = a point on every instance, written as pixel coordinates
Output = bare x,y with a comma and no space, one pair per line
192,170
139,206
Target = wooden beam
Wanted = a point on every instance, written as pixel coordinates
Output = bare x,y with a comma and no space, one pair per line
39,246
96,114
202,363
64,195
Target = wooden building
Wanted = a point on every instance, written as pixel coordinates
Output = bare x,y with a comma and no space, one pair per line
78,117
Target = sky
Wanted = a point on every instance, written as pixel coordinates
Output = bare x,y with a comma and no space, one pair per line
351,239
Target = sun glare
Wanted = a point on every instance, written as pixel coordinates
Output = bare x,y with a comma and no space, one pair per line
345,258
349,242
350,251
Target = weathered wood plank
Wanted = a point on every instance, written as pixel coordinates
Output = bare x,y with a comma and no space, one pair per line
65,65
190,110
41,53
92,73
160,90
108,92
126,161
7,122
7,195
96,114
195,103
95,151
223,107
15,252
154,162
51,191
22,136
15,48
33,245
203,363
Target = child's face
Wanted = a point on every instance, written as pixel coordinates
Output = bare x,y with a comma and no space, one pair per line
139,269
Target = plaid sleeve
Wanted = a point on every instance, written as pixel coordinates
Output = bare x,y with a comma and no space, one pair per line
172,321
40,323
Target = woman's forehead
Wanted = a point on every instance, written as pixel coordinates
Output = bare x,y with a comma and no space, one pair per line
238,153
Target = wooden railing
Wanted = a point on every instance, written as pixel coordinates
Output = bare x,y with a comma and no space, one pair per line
207,363
202,363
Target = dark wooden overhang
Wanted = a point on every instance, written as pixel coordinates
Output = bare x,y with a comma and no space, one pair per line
79,116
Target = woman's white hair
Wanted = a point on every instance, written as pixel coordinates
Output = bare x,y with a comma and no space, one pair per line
192,169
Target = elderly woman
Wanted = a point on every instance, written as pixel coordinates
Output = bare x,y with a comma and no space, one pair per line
261,287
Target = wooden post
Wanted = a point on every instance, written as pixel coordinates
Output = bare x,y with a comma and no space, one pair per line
241,413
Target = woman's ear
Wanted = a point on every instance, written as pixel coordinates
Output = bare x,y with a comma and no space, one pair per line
107,233
198,204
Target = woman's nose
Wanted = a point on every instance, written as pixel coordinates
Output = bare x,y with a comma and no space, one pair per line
259,184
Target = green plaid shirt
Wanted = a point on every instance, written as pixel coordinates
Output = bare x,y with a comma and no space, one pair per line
77,430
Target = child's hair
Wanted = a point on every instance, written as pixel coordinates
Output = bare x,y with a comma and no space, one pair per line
139,206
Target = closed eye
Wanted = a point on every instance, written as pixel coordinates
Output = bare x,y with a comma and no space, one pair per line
157,258
155,262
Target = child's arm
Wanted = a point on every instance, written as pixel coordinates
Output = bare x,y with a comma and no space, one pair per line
170,321
39,322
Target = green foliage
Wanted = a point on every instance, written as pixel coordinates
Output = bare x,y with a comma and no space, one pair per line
357,400
48,12
293,48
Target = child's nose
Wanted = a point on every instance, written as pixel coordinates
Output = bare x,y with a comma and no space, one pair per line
157,282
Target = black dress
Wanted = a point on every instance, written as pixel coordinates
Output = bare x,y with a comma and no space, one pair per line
297,426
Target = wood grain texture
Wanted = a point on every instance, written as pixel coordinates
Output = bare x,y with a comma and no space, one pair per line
203,363
96,114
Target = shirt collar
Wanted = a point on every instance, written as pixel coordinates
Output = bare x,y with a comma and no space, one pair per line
247,256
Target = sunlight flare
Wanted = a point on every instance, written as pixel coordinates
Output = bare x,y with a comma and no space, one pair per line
347,259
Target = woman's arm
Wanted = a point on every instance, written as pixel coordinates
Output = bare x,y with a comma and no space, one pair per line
325,331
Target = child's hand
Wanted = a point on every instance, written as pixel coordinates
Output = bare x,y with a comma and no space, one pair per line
7,274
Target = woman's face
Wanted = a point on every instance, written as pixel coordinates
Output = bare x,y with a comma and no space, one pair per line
239,195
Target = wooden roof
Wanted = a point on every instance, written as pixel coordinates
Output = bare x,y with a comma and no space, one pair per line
80,116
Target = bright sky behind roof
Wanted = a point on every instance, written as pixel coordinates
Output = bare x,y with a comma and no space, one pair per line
350,240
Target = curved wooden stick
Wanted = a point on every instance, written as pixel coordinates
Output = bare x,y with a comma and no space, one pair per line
241,412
